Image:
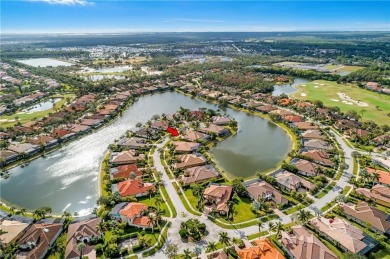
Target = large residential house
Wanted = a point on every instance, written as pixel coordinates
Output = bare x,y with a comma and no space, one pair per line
379,193
190,160
114,213
213,128
301,244
133,143
134,215
185,147
319,156
220,120
125,171
13,229
292,182
83,231
306,167
363,213
193,135
125,157
133,188
316,144
313,134
304,125
218,196
198,174
349,238
263,249
263,190
38,239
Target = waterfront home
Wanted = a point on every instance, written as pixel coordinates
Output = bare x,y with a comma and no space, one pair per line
125,157
38,239
291,118
306,167
185,147
281,112
301,244
125,171
219,120
348,237
384,177
313,134
319,156
193,135
198,174
316,144
45,140
8,156
379,194
13,229
364,214
261,249
304,125
160,125
133,143
190,160
82,232
114,213
134,214
213,128
63,134
78,129
262,190
93,123
265,108
217,197
133,187
292,182
24,148
148,133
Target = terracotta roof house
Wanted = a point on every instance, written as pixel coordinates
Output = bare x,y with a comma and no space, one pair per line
63,133
319,156
379,193
185,147
8,156
384,177
190,160
213,128
193,135
290,181
293,118
362,213
381,140
114,213
264,249
197,114
125,171
344,124
306,167
77,128
313,134
133,188
14,230
316,144
45,140
217,196
348,237
304,125
198,174
219,120
265,108
134,215
91,122
26,148
133,143
83,231
160,125
36,242
125,157
264,190
147,133
301,244
352,133
281,112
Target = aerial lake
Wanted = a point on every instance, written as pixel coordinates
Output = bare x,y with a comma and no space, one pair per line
67,179
42,106
289,88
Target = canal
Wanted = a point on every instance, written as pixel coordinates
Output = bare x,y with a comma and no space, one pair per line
67,179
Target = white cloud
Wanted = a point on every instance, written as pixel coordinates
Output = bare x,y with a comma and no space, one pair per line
65,2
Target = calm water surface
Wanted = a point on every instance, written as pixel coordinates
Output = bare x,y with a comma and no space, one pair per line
67,178
289,88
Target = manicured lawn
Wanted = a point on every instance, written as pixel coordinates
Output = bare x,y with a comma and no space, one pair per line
327,93
27,117
147,201
294,209
170,204
242,210
257,235
191,198
159,245
355,166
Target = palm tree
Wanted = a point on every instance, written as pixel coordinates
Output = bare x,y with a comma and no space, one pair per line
151,221
187,254
303,215
12,209
271,227
278,228
376,177
80,248
23,211
211,246
150,192
158,200
260,224
224,238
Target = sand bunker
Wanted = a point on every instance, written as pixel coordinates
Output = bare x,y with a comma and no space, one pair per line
303,94
335,100
350,101
6,120
316,86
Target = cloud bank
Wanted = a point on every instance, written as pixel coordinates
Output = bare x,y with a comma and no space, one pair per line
65,2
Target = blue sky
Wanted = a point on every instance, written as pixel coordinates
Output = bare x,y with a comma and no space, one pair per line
155,16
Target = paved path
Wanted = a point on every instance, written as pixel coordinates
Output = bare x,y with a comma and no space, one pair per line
213,229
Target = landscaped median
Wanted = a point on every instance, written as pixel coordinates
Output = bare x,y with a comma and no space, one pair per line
160,243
